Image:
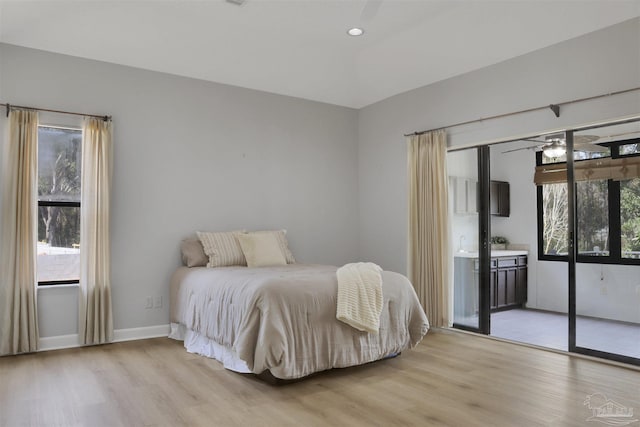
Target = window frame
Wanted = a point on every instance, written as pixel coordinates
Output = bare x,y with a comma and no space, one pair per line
54,203
615,226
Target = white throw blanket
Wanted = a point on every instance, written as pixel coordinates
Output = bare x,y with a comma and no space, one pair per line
360,296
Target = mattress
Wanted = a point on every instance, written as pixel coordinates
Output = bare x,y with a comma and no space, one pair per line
283,319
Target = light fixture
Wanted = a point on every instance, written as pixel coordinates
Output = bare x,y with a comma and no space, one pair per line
554,150
355,32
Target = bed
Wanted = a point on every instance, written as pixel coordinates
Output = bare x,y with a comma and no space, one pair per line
281,320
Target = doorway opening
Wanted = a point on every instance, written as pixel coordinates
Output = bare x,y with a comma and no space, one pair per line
564,233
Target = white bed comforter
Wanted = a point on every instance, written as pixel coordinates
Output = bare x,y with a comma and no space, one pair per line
283,319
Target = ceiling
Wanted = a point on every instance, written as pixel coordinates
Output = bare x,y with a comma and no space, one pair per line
300,47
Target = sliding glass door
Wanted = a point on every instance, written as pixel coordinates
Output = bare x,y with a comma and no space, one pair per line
574,279
468,207
605,290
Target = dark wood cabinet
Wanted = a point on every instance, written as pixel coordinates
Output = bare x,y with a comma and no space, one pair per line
499,199
509,288
521,284
508,284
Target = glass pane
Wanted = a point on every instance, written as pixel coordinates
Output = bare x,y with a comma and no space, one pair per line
606,294
593,217
630,217
59,164
58,243
463,170
555,216
556,159
630,149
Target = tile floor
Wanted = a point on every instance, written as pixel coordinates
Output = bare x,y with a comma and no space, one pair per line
551,330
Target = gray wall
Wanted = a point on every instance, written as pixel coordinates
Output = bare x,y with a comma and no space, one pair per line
600,62
193,155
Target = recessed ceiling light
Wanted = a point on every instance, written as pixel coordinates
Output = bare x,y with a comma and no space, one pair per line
355,32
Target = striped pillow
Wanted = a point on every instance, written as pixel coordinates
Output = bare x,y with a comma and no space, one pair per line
223,249
281,237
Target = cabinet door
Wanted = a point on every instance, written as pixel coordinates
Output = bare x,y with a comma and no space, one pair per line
521,285
506,287
511,286
494,198
465,195
494,288
501,288
504,204
499,197
460,194
472,196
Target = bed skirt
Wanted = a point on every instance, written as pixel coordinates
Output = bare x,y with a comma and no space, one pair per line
199,344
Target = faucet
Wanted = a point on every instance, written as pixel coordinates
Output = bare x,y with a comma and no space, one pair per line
462,238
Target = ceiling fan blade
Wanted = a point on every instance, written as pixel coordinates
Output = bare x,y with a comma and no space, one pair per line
531,147
585,139
590,148
370,10
616,135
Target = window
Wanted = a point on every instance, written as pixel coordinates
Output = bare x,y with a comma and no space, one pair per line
607,209
630,218
59,179
555,218
593,217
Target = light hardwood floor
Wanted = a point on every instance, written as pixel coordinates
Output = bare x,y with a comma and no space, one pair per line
450,379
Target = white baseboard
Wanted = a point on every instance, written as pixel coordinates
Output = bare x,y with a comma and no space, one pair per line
140,333
73,340
59,342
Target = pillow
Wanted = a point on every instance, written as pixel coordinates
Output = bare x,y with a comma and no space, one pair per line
281,237
222,249
261,249
193,253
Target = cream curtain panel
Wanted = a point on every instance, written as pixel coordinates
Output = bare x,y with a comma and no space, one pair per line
96,322
429,224
18,233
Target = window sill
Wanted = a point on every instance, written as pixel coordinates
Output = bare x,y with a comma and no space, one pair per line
65,285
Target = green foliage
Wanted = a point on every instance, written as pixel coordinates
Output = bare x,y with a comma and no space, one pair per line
500,240
593,215
630,214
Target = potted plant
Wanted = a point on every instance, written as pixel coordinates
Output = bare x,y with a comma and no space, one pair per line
499,243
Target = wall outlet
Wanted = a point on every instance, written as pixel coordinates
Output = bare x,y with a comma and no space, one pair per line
149,302
158,303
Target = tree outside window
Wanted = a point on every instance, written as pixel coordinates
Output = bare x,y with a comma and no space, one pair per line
59,183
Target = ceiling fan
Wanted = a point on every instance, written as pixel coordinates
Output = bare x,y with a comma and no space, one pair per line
555,145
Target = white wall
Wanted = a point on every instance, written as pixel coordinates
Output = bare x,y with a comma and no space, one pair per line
597,63
193,155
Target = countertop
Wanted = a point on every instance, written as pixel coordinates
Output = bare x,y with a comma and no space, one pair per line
494,254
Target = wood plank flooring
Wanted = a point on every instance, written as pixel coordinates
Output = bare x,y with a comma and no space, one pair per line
450,379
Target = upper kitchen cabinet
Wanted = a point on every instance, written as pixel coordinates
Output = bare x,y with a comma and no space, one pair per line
499,205
465,191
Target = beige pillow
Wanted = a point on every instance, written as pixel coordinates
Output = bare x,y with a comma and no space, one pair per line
222,249
281,237
261,249
193,253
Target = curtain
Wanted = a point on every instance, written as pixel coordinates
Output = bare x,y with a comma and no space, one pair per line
95,323
18,234
429,224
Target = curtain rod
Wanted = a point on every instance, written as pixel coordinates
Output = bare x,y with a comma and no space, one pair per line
554,107
10,106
